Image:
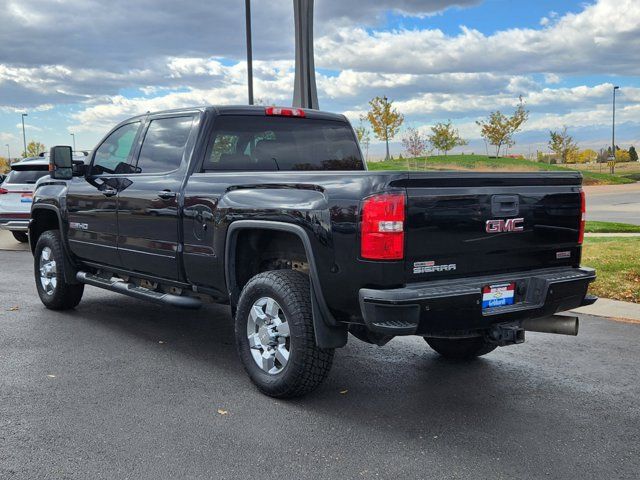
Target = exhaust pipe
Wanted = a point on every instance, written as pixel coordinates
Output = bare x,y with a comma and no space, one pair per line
553,324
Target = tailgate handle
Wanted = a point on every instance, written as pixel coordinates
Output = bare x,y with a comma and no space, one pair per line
505,205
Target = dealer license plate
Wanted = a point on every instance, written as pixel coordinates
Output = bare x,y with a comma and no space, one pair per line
498,295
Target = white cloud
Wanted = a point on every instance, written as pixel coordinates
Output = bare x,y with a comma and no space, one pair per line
6,137
28,126
604,37
551,78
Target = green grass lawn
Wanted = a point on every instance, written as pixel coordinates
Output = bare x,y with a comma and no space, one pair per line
617,262
482,163
611,227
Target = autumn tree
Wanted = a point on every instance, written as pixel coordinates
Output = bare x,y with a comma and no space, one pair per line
562,144
4,165
34,149
364,137
384,119
622,155
498,129
586,156
445,137
415,144
633,155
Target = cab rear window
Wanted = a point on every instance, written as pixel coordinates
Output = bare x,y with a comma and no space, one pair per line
256,143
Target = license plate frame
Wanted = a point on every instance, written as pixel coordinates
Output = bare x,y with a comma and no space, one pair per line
498,295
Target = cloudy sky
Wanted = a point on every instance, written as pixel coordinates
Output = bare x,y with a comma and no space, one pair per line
83,65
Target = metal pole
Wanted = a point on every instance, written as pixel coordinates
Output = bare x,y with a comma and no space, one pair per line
305,94
24,136
8,153
73,135
247,10
613,126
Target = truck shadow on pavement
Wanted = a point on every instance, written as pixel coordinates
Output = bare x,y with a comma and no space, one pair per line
404,380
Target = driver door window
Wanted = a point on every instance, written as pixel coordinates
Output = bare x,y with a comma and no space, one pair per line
112,156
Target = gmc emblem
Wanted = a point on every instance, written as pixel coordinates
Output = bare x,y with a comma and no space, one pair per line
502,226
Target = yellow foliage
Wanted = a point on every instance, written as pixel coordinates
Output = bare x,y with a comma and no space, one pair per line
4,165
623,156
582,156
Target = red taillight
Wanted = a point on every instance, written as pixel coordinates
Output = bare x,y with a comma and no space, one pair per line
382,228
3,191
284,112
583,216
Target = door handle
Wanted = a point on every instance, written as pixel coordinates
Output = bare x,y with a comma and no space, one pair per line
109,192
166,194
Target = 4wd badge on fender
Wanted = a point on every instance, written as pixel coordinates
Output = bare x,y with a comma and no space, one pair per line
502,226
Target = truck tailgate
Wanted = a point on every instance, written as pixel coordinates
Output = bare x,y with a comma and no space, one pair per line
461,225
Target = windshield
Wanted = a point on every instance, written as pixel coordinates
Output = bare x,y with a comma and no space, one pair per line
27,176
257,143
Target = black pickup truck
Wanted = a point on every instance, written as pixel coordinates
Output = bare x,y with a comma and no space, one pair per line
272,211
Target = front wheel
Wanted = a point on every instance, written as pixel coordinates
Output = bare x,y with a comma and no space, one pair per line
54,291
461,348
21,237
275,336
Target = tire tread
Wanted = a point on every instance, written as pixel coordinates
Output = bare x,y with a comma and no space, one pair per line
312,366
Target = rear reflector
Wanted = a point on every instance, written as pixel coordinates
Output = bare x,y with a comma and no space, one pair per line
583,216
3,191
382,228
284,112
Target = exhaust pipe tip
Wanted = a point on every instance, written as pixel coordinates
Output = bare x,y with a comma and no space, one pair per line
558,324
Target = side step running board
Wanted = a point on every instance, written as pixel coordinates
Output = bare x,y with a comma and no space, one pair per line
135,291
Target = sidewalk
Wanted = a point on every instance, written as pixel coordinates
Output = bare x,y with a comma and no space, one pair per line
614,309
7,242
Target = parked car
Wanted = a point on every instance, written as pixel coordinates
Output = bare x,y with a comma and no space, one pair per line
16,195
272,211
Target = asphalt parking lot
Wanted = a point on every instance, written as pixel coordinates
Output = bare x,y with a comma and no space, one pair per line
614,203
124,389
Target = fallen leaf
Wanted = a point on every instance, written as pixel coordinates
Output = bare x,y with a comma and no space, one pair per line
51,376
160,341
222,412
14,309
342,392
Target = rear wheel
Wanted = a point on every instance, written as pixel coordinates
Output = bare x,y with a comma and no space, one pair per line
21,237
461,348
54,291
275,336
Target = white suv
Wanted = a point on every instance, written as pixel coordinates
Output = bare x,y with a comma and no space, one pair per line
16,194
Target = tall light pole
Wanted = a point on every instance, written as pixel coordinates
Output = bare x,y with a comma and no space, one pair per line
24,136
613,126
305,94
8,152
73,135
247,11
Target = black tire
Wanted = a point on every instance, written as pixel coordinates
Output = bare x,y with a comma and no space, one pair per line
307,365
22,237
461,348
62,296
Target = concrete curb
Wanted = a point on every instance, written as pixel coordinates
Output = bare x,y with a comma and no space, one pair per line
614,309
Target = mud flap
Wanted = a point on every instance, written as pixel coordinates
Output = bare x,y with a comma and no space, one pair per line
326,336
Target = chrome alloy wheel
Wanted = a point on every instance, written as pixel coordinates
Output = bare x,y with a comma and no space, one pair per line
269,335
48,271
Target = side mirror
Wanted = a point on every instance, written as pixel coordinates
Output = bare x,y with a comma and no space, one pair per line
61,162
